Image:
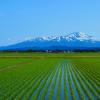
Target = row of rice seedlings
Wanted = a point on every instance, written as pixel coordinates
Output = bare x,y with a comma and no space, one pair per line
95,84
21,80
36,93
37,88
83,85
20,89
88,74
25,94
70,84
91,73
73,84
3,87
50,96
15,82
81,93
86,83
54,97
13,88
65,84
45,88
93,76
9,80
9,86
5,83
49,88
2,95
62,83
59,86
92,85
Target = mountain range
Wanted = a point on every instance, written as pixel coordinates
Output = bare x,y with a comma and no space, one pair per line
72,41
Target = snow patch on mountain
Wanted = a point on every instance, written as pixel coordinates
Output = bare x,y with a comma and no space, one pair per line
79,36
69,37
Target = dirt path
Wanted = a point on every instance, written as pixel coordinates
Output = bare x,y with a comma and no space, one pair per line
54,57
14,66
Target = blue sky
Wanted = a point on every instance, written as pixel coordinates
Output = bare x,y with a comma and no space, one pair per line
24,19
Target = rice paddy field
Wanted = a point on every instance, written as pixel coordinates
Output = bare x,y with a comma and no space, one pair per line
49,76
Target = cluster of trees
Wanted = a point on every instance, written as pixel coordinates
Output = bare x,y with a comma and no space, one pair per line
50,51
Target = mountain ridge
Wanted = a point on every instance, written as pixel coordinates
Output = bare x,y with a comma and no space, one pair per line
71,41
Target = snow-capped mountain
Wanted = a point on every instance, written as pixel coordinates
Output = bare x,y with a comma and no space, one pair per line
72,41
71,36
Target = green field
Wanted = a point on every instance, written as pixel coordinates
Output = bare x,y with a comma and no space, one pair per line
49,76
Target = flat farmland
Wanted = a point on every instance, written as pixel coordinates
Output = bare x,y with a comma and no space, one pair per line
49,76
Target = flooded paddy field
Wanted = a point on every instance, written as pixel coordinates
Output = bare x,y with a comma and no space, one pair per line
49,76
